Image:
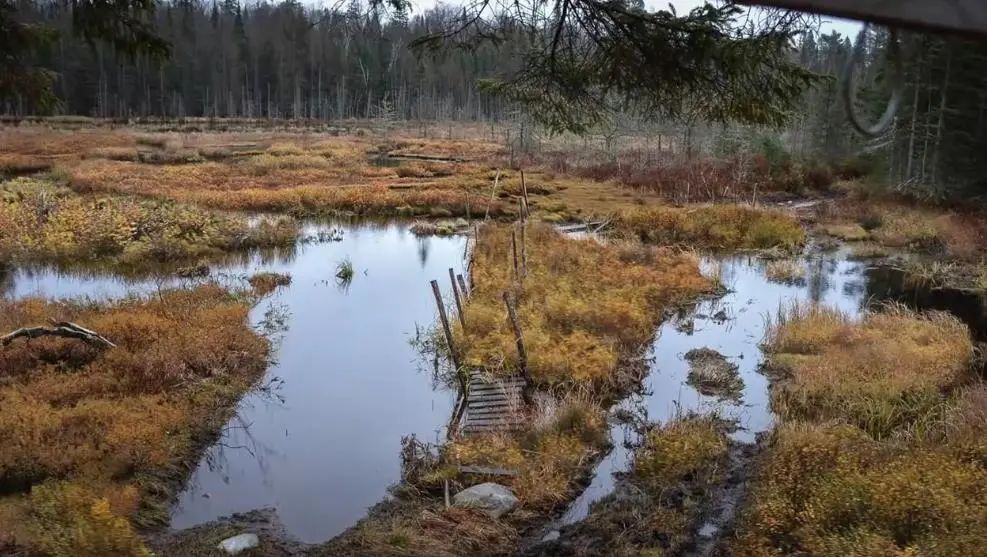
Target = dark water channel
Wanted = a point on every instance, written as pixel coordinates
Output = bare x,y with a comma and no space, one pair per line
324,445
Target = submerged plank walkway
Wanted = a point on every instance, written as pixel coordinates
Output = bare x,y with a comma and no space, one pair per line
493,405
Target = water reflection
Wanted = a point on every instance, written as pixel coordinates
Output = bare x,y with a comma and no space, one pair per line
324,444
734,326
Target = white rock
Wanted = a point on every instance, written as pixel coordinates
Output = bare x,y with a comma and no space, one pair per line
236,544
494,499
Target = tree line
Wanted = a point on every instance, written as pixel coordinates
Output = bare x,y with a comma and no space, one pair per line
270,60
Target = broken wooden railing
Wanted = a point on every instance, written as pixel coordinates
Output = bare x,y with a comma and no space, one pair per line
488,403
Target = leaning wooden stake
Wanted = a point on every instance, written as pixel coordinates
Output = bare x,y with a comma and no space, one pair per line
524,192
522,355
460,372
524,254
493,192
462,286
455,294
514,251
445,324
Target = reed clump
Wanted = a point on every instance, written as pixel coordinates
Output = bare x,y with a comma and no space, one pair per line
655,507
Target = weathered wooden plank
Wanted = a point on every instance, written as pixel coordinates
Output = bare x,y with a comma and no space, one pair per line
503,391
491,410
492,420
491,404
486,471
491,395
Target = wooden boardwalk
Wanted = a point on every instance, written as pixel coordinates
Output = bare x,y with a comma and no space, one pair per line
493,405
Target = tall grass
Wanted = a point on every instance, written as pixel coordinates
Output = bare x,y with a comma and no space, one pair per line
880,449
89,431
881,374
581,305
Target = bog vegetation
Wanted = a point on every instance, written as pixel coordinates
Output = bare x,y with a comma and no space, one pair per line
876,453
95,439
40,221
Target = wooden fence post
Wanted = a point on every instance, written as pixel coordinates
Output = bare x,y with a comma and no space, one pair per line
445,324
524,193
524,253
462,286
455,294
514,251
522,355
493,192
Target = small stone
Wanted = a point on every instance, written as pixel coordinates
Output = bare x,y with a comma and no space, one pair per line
552,536
492,498
239,543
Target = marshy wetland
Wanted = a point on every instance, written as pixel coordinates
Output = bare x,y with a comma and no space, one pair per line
700,379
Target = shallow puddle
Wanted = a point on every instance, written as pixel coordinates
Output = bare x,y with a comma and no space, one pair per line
324,444
734,326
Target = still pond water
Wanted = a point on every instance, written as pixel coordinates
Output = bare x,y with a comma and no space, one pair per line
324,445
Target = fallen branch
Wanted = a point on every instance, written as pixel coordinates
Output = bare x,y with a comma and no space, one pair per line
62,329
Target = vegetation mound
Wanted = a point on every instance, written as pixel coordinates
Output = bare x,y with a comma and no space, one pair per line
40,221
713,227
580,303
94,439
712,374
881,374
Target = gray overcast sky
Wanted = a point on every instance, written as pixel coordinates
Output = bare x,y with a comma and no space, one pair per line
844,26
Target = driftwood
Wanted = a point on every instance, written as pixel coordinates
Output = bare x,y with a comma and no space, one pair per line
62,329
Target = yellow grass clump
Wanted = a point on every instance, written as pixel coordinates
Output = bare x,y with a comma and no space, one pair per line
41,221
581,304
833,491
296,184
547,457
881,373
655,509
88,435
713,226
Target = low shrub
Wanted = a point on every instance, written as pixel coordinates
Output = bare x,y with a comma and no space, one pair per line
43,222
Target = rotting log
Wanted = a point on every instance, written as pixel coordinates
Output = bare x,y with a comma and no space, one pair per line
64,329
